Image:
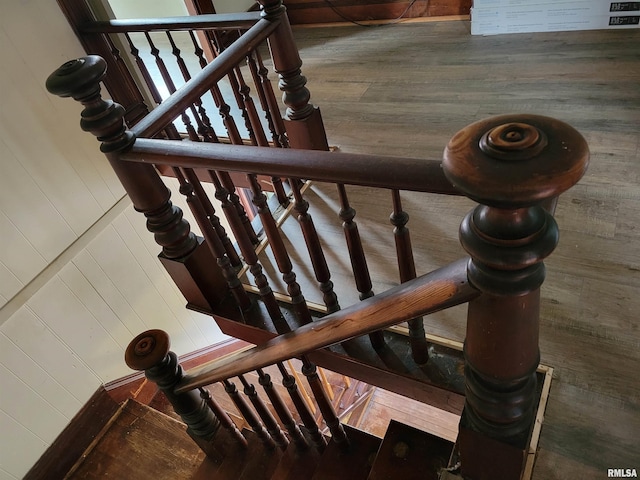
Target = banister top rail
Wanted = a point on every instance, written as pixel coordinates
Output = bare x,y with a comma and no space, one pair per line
179,101
195,22
334,167
442,288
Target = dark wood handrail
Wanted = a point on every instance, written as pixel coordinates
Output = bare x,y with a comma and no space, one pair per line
335,167
191,91
227,21
442,288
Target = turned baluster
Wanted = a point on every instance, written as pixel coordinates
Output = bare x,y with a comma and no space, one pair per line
204,124
329,415
289,382
281,410
225,420
270,423
268,99
259,135
248,414
356,256
223,108
228,184
407,267
280,252
217,247
168,81
212,217
512,165
149,352
316,254
183,254
303,121
170,130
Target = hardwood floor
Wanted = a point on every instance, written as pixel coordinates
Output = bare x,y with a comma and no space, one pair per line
405,90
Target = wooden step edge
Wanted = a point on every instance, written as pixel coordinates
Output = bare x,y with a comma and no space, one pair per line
96,440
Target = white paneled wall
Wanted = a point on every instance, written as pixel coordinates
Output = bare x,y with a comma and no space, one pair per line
78,271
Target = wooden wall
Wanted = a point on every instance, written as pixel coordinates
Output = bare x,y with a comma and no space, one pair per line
78,273
320,11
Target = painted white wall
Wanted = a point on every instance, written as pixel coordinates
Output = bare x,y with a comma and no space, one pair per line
78,271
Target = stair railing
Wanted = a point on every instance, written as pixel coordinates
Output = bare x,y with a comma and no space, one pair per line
512,165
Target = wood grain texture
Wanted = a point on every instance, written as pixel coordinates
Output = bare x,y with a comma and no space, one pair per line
406,89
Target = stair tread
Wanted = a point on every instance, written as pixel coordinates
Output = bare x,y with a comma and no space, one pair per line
410,454
142,443
354,464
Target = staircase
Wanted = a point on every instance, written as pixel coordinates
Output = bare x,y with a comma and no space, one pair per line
514,166
143,443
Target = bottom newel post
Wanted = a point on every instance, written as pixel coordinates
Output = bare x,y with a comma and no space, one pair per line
149,352
514,166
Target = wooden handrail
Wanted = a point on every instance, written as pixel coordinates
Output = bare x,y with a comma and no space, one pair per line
229,21
442,288
192,90
335,167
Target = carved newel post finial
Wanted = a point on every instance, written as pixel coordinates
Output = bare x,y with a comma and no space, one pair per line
184,255
150,352
511,165
80,79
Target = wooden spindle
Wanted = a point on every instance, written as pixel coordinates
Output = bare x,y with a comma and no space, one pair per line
213,218
511,165
268,99
280,253
183,254
249,415
281,410
205,129
168,81
258,131
407,267
302,407
149,352
338,435
316,254
223,108
217,247
269,421
170,130
225,420
356,256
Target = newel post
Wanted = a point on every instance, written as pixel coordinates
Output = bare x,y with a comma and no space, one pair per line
305,128
511,165
184,255
149,352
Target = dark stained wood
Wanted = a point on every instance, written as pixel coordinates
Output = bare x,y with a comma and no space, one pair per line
161,444
495,162
414,174
69,446
432,292
411,454
157,119
353,463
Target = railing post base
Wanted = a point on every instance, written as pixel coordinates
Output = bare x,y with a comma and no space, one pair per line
491,458
203,287
307,133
